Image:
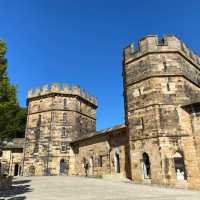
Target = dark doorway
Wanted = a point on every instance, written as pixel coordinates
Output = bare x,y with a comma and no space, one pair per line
16,170
91,165
62,166
179,166
146,166
32,171
117,163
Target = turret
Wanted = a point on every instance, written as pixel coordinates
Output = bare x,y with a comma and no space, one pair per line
64,89
57,114
152,43
159,77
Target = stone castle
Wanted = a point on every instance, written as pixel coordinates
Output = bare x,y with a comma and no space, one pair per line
159,142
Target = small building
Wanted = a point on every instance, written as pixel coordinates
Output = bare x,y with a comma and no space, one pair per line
104,152
11,157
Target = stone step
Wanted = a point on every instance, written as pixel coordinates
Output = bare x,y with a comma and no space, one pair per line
115,177
181,184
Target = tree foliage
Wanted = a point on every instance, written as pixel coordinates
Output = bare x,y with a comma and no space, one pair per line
12,117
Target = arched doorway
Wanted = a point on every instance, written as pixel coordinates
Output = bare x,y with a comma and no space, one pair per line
16,169
62,166
146,166
117,163
32,170
91,166
179,166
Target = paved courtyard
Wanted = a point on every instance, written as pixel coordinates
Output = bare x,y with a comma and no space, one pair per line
80,188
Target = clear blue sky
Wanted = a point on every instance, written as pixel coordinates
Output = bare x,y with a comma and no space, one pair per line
81,42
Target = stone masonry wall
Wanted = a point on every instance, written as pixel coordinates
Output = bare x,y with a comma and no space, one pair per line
159,78
100,152
9,159
55,118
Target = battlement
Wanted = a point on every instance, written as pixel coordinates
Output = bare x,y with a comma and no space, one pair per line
62,89
152,43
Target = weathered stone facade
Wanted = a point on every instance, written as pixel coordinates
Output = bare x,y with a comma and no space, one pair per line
56,116
159,79
104,151
11,157
160,141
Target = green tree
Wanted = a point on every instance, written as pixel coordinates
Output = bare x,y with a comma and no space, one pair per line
12,117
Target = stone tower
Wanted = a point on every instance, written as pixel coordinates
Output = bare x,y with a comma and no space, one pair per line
56,116
161,83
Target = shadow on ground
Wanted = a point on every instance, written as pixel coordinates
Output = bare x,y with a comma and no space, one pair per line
19,188
21,182
17,198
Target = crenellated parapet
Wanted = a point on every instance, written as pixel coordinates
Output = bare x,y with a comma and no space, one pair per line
62,89
152,43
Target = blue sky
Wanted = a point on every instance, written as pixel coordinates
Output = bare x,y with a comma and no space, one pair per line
81,42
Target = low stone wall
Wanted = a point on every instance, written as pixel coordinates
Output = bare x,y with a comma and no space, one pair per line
5,182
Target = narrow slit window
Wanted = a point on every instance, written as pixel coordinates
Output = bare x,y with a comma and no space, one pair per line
100,161
39,120
64,132
139,91
142,123
168,87
65,103
165,66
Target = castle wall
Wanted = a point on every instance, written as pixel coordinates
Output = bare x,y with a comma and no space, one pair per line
8,160
55,118
101,152
160,141
195,118
158,79
191,112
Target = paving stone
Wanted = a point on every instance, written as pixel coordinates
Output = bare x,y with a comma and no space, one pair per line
81,188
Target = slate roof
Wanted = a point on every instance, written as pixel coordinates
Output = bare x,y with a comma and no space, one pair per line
98,133
15,143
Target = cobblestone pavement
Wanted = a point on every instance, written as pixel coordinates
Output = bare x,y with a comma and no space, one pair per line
80,188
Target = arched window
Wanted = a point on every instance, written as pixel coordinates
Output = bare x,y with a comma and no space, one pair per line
117,163
179,166
62,166
16,169
31,170
146,166
64,132
91,165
